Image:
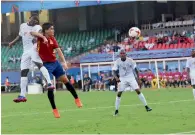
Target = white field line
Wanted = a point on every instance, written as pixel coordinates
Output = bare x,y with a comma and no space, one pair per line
183,133
85,109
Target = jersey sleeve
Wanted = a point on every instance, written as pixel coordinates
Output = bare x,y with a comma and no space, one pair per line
55,44
37,28
133,64
115,67
188,64
20,31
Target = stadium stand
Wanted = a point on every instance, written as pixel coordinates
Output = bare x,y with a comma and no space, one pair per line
72,45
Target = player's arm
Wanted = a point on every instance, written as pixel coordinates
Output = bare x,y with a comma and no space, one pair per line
38,34
188,68
14,41
62,58
114,71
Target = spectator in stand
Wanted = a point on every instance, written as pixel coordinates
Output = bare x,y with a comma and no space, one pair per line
146,38
115,47
149,45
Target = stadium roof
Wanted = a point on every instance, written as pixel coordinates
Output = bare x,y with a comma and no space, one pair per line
28,5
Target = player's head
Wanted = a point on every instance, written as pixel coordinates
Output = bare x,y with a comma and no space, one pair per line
193,53
48,29
176,69
184,69
123,55
33,20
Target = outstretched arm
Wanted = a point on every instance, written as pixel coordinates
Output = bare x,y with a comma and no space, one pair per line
14,41
114,72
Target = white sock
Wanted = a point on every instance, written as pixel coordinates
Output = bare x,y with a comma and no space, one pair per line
194,92
117,102
23,85
45,74
142,98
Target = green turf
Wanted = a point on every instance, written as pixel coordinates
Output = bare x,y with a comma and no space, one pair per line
95,117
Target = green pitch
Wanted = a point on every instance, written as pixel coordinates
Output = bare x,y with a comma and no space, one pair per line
173,112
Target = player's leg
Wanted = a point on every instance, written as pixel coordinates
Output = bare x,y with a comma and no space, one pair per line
60,75
38,62
117,102
25,65
50,94
193,86
134,85
121,87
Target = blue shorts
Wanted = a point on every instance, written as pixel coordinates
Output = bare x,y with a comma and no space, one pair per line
54,68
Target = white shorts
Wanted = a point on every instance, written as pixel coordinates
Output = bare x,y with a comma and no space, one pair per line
28,59
192,80
130,83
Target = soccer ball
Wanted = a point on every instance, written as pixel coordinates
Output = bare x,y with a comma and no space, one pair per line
134,32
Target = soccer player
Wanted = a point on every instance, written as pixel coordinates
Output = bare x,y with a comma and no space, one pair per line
29,32
47,53
177,77
191,70
184,78
126,67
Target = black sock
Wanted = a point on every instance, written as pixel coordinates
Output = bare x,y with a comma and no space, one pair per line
72,90
51,98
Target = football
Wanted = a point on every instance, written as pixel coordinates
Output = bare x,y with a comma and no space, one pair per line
134,32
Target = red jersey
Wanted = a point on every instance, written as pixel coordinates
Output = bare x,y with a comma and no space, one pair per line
165,75
46,51
170,76
177,75
140,75
160,75
145,76
150,76
184,76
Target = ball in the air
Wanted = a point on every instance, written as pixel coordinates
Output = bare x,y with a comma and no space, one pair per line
134,32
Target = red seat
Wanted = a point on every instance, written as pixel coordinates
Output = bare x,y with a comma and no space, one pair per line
192,45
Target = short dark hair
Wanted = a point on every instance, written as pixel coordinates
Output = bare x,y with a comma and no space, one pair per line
35,17
46,26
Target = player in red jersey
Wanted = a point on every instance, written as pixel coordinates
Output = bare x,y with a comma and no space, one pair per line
184,78
141,78
177,77
47,53
171,78
150,77
145,78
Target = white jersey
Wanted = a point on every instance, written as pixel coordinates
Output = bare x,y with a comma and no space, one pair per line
191,65
27,38
126,68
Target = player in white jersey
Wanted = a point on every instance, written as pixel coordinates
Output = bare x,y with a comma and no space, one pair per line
29,32
190,65
127,78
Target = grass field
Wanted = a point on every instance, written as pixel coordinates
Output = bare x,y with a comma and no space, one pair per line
173,112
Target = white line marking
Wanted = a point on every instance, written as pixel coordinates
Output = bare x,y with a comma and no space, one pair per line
85,109
183,132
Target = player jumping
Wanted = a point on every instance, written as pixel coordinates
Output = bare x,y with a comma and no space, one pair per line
47,54
126,67
29,32
191,70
